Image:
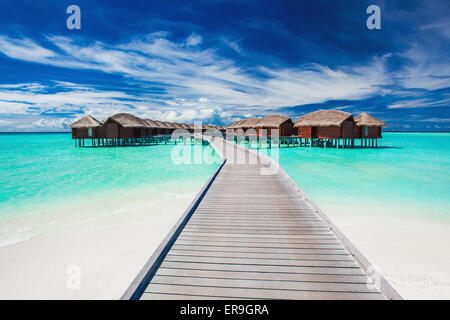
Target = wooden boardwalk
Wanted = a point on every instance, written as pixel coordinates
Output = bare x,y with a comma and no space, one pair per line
250,235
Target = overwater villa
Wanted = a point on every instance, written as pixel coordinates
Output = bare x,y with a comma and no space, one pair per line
233,128
327,127
258,126
162,128
368,129
246,124
125,129
153,127
85,128
318,128
283,124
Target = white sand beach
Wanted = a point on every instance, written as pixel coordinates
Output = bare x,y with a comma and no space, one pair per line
108,240
412,254
111,239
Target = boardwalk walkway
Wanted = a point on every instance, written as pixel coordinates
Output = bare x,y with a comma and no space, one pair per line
253,235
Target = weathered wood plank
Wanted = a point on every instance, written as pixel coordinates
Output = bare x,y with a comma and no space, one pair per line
227,274
260,293
270,262
264,284
260,255
242,249
262,268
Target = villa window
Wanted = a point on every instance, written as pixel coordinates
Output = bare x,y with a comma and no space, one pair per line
90,132
366,131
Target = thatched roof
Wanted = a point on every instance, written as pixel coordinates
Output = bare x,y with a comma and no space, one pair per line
272,121
151,123
366,120
177,126
86,122
323,118
235,124
127,120
191,126
161,124
248,123
169,125
184,126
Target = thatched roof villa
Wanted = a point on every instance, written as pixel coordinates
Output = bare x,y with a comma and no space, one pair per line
232,128
85,127
368,126
244,125
123,126
170,126
127,129
325,124
177,125
184,126
278,122
322,127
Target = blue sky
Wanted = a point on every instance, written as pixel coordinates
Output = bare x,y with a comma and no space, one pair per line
217,61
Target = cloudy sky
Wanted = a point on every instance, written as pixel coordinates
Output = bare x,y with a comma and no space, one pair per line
218,60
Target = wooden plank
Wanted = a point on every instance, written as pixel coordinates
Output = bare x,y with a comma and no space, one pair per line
223,248
205,238
264,284
255,225
227,274
270,262
303,235
249,231
260,255
259,293
271,245
262,268
174,296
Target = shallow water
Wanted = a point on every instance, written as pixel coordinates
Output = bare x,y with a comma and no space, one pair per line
39,171
408,175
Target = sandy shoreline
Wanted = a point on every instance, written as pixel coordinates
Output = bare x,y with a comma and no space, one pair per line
412,254
108,242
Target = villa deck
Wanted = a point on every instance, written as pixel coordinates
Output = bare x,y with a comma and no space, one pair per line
253,235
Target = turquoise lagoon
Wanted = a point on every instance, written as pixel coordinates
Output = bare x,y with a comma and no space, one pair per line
42,171
407,176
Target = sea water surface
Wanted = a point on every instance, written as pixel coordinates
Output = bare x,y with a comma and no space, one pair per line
42,171
98,212
407,175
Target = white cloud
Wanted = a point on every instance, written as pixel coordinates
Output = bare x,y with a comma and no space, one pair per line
202,74
419,103
425,69
193,40
196,83
233,45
